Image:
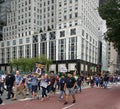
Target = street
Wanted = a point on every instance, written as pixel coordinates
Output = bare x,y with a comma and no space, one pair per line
90,98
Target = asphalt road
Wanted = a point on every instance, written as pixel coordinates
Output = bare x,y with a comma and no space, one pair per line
90,98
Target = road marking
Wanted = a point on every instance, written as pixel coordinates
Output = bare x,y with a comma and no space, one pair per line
2,104
25,99
68,106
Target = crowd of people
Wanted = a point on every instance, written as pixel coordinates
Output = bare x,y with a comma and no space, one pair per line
66,83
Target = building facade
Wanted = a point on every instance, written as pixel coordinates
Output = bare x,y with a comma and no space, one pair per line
4,6
66,31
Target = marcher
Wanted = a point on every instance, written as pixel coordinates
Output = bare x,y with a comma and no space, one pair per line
19,87
1,86
101,82
9,81
97,80
62,83
79,83
44,84
52,83
69,87
34,84
105,81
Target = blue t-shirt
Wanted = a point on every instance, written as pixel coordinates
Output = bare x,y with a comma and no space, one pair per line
97,79
18,79
79,81
62,83
34,81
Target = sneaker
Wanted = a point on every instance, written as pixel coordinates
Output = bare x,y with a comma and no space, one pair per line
65,103
74,101
42,99
59,99
8,98
14,99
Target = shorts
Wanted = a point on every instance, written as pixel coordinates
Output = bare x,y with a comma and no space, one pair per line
34,89
70,91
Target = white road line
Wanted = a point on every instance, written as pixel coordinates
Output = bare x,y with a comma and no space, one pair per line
25,99
2,104
68,106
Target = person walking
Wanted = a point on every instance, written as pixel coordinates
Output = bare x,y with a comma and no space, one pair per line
62,83
105,81
45,82
79,83
9,81
1,86
19,85
34,85
69,87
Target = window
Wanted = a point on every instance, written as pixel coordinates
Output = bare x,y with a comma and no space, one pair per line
8,43
70,1
29,7
20,41
44,3
14,42
52,50
72,48
52,1
76,22
62,49
29,32
25,2
28,51
70,16
86,35
62,33
27,40
2,44
76,14
70,24
29,1
65,17
60,4
76,8
65,25
59,26
73,31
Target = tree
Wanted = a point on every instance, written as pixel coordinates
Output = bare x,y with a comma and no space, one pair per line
43,59
28,64
24,64
110,11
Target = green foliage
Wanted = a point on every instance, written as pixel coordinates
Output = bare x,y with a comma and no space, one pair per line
28,64
43,59
110,11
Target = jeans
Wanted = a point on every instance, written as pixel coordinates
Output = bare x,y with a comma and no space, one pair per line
44,92
10,91
61,93
105,84
77,88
